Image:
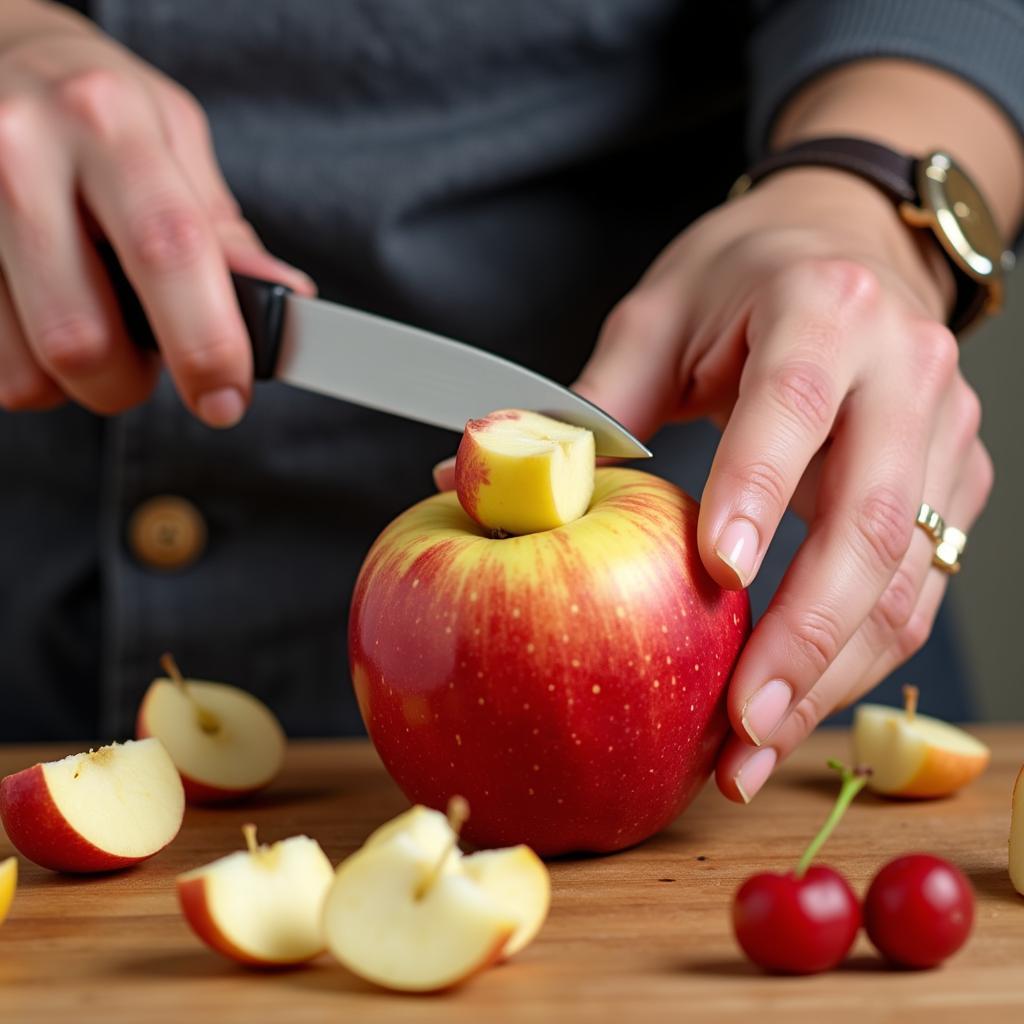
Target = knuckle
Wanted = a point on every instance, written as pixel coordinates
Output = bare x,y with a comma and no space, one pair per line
804,392
850,285
167,237
986,474
637,317
818,637
914,634
74,344
885,522
936,353
94,98
17,129
968,414
211,363
897,602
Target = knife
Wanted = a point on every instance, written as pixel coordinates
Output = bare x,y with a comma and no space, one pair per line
382,364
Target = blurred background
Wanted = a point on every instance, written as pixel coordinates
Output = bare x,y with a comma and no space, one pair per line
986,596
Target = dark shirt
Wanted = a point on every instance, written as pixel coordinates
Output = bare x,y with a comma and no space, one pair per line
499,172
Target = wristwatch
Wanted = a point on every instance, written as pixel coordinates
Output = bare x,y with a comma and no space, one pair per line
931,192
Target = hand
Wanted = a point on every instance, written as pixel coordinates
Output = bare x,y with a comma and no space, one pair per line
94,142
806,319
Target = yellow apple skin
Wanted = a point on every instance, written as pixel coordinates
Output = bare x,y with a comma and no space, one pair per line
1017,834
8,885
915,758
517,491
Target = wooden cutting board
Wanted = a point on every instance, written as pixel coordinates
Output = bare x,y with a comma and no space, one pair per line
640,936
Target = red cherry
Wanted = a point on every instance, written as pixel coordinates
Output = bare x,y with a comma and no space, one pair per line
796,925
919,910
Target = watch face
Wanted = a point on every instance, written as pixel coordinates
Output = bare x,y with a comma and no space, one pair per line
965,226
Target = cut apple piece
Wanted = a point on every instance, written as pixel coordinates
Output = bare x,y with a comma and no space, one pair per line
402,914
517,880
262,906
913,755
520,472
224,742
8,885
1017,834
105,809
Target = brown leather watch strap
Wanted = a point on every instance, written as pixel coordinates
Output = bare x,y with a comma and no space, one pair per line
888,170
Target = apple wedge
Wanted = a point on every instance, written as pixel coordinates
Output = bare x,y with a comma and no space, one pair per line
1017,834
913,755
8,885
261,906
519,472
224,742
402,914
98,811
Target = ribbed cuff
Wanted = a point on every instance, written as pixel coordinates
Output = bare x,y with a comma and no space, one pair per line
981,41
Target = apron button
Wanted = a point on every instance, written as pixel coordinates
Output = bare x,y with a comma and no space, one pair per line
167,532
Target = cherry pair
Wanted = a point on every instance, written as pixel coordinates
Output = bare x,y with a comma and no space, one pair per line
918,910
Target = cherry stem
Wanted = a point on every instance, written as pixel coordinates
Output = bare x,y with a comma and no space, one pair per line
207,721
910,694
854,780
458,812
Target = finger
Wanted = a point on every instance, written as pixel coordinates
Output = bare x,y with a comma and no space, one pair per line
866,660
798,372
187,132
444,474
24,386
167,247
871,487
66,315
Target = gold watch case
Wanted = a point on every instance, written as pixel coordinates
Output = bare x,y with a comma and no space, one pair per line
953,209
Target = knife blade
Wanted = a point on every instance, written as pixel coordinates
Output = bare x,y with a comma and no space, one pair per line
383,364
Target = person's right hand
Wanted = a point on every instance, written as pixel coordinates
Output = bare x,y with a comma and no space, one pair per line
93,142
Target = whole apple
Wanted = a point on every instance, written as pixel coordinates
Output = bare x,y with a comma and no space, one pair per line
570,684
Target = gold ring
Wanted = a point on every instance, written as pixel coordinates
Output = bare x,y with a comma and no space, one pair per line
949,549
931,522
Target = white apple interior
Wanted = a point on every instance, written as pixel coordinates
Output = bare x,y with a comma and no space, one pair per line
895,746
518,881
568,450
244,752
379,927
429,830
126,799
270,904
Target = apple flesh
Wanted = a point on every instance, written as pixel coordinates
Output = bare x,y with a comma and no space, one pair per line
261,907
569,683
224,742
409,912
98,811
8,885
1017,834
913,755
520,472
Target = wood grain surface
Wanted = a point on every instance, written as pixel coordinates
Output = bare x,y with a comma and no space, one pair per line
640,936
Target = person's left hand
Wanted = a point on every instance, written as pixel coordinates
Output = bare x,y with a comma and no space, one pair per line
806,319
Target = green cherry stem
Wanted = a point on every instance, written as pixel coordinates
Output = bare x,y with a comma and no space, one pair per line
854,780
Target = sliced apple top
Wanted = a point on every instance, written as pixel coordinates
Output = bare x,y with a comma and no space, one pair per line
120,797
520,472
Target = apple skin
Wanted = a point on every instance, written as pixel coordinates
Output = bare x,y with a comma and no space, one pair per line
37,828
196,908
570,684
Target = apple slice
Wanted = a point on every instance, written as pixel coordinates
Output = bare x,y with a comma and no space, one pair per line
403,915
8,884
912,755
105,809
520,472
261,906
1017,834
224,742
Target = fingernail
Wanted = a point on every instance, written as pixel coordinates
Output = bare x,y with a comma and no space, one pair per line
754,773
223,407
300,277
764,711
442,473
737,547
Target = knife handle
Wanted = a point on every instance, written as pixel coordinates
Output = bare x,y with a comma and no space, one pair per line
262,304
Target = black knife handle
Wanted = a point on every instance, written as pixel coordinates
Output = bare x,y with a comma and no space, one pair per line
262,304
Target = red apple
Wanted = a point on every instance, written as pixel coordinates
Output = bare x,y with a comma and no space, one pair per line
570,684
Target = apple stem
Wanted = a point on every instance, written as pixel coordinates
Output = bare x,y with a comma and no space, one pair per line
207,721
910,694
249,831
853,782
458,812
